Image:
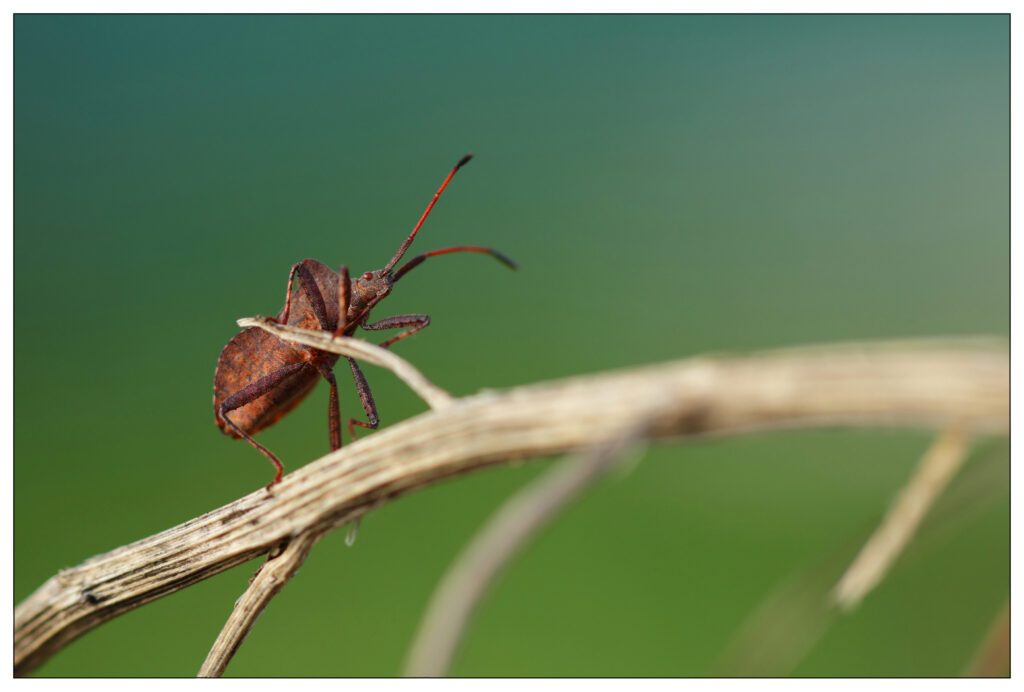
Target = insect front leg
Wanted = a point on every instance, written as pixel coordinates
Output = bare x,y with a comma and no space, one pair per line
251,393
366,397
417,322
344,298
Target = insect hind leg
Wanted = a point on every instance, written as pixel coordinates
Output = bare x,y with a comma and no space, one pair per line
251,393
307,284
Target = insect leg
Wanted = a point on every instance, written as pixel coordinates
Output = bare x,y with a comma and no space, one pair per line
307,284
366,397
250,393
333,410
344,298
417,322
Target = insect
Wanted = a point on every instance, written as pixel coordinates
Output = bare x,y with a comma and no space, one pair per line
260,378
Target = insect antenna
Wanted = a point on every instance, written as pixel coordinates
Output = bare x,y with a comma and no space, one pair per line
418,259
408,241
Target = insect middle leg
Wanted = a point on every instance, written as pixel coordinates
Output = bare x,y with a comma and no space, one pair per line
333,409
366,397
250,393
417,322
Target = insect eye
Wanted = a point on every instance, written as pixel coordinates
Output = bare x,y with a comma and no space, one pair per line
367,276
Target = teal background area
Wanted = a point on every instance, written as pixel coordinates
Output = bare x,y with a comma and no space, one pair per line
671,185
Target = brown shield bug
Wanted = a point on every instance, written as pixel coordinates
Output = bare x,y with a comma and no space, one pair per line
259,378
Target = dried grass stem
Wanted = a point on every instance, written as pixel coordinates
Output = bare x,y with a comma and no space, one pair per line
915,384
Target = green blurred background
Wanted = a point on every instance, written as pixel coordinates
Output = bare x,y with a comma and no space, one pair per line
671,185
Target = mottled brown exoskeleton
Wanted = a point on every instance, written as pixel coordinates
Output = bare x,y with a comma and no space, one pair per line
259,378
